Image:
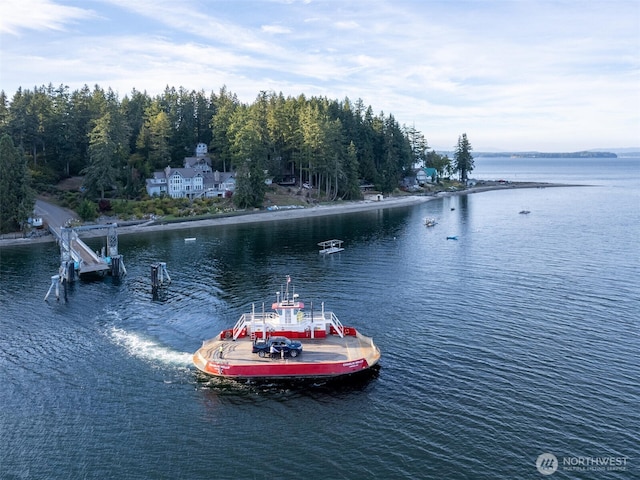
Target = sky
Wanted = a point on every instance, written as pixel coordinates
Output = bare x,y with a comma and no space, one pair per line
514,75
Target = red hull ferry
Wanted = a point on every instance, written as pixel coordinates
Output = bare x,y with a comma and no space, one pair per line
330,349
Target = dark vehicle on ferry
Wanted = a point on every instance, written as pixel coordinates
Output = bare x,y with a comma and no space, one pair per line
277,347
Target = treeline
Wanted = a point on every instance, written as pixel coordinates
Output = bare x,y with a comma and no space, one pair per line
584,154
117,143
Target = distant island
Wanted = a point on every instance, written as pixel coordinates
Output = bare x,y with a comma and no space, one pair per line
547,155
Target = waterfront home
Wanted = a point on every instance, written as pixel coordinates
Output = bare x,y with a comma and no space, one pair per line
426,175
191,183
195,180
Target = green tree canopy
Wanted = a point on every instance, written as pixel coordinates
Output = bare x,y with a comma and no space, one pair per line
442,163
104,149
334,145
16,197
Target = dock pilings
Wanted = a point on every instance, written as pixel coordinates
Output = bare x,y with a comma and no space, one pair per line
158,274
117,266
55,285
76,258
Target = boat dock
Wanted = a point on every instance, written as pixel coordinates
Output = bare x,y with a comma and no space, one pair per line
77,258
330,246
85,260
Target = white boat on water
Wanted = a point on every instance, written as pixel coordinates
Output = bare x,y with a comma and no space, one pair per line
330,246
430,222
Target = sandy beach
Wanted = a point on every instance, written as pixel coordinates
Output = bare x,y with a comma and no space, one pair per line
290,213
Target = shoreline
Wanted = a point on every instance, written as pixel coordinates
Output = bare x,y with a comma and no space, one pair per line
292,213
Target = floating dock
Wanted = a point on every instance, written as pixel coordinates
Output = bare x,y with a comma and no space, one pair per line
330,246
76,258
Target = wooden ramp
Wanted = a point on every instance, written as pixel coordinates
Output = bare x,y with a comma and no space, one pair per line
75,249
90,261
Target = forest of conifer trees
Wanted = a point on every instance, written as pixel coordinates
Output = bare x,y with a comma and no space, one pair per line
116,143
315,139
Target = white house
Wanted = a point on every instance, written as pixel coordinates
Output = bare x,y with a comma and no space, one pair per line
191,183
195,179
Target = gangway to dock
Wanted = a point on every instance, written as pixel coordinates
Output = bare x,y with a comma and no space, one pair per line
76,257
85,260
88,261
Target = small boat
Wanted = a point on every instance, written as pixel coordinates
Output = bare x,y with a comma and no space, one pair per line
316,343
190,239
452,237
330,246
524,212
430,222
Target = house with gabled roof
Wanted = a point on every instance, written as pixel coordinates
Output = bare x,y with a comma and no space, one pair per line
196,179
426,175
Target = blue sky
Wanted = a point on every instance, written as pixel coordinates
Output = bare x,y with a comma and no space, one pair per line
558,75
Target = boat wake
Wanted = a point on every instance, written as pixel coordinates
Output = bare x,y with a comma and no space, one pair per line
147,349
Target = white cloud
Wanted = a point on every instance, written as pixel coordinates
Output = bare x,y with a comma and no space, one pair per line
548,73
350,25
276,29
18,15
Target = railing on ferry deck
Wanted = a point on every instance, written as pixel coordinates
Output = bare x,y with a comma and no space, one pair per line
251,318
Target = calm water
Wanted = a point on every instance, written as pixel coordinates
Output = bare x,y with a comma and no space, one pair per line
520,338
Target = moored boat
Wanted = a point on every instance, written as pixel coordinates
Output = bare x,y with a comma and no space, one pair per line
324,347
330,246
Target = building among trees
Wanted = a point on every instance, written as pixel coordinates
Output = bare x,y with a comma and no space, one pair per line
196,179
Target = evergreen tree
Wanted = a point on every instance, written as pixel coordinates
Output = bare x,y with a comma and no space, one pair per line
462,157
250,185
16,197
419,146
4,113
102,172
225,107
250,148
352,185
153,138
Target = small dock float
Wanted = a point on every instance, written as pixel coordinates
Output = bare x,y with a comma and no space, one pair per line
330,246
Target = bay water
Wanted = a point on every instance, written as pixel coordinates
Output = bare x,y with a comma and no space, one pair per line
520,338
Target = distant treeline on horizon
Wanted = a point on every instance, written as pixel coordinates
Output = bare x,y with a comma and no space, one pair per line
584,154
548,155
